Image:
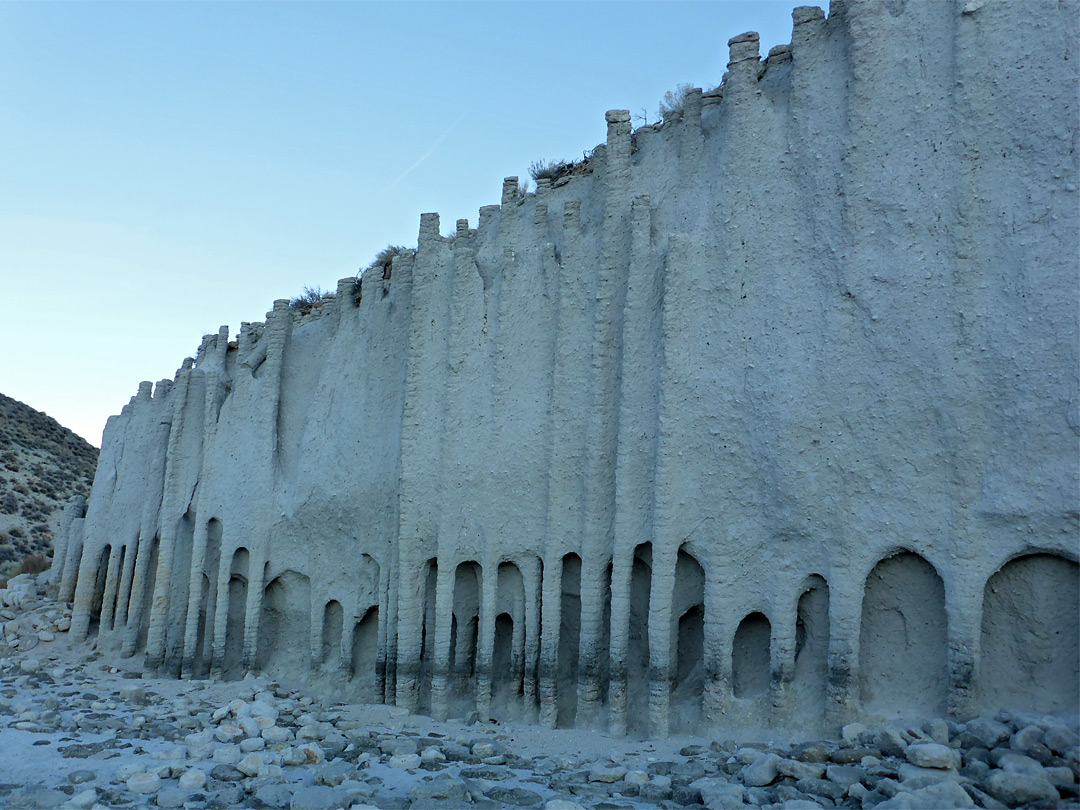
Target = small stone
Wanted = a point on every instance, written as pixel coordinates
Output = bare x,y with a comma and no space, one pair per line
318,797
636,777
762,771
821,787
125,772
176,753
914,777
192,779
932,797
252,744
405,761
800,770
606,773
811,752
226,773
84,800
432,754
36,797
562,804
1015,787
853,755
276,734
250,765
991,732
1011,761
144,783
850,733
845,775
719,793
171,797
228,732
277,796
1026,738
444,788
293,756
516,796
81,776
938,730
891,742
1060,740
932,755
46,636
1060,775
228,754
334,773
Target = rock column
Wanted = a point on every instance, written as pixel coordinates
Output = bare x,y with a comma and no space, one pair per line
603,411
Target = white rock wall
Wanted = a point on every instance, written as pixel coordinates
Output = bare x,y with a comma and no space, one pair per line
826,318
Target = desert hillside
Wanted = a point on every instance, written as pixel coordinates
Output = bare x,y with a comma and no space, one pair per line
42,464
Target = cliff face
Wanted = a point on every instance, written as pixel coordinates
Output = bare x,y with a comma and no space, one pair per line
735,428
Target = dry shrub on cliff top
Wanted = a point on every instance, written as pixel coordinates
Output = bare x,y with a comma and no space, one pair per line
550,169
673,104
310,299
383,259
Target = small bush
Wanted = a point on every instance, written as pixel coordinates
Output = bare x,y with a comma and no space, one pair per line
550,169
673,104
33,565
310,299
382,260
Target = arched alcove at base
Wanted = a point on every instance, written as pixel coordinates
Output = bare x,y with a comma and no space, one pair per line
1031,636
903,639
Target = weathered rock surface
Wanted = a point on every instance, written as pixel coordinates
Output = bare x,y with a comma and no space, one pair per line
824,316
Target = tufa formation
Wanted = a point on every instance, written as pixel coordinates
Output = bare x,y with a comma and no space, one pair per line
765,417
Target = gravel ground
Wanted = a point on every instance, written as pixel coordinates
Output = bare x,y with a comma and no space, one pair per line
83,729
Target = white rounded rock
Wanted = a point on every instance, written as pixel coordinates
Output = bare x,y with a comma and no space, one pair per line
144,783
606,773
228,754
192,779
276,734
83,801
252,744
931,755
406,761
250,765
432,754
228,732
125,772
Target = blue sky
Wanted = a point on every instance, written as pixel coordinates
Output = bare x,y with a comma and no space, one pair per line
166,168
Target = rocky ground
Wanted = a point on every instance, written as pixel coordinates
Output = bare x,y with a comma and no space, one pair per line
82,729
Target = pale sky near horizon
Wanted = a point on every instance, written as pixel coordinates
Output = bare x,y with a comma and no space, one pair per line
166,168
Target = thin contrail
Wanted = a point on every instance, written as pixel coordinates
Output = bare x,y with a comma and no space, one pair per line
426,155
